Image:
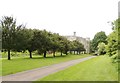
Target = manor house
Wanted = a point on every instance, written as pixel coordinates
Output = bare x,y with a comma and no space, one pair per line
84,41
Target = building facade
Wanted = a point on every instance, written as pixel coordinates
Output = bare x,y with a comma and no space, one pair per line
84,41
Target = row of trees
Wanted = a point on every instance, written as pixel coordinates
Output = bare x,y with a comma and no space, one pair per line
19,38
108,44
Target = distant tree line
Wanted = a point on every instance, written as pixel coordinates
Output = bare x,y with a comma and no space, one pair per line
19,38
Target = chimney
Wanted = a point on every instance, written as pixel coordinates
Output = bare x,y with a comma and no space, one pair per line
74,33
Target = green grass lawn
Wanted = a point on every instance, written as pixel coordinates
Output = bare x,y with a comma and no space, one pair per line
119,71
25,63
0,67
97,69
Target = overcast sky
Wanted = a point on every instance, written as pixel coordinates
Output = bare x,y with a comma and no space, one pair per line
85,17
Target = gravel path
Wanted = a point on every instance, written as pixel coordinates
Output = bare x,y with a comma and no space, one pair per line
35,74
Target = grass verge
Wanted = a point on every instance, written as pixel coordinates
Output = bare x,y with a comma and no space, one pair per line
100,68
25,63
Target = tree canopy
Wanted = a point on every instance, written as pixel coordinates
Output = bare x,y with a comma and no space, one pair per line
113,39
11,34
19,38
98,38
101,48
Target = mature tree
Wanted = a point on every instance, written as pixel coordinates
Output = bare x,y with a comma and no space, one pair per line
113,39
30,43
37,41
45,41
67,46
112,43
61,44
41,41
118,29
54,43
72,47
81,48
78,47
75,44
101,48
9,34
21,39
99,37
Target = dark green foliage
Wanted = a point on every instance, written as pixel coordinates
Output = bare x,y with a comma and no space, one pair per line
98,38
77,46
11,34
30,42
54,43
43,41
20,39
61,40
113,45
118,28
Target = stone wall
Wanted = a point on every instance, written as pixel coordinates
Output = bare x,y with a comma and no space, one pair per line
84,41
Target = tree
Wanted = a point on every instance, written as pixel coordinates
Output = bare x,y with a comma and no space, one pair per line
113,39
72,47
112,43
36,43
66,46
101,48
54,43
45,41
9,34
61,44
30,43
118,29
99,37
21,39
41,41
78,47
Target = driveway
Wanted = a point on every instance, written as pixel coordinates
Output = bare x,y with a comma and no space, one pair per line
35,74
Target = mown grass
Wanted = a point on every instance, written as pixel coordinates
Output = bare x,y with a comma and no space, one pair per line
0,67
0,63
100,68
25,63
119,71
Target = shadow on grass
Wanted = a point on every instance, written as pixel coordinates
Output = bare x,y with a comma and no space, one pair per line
39,57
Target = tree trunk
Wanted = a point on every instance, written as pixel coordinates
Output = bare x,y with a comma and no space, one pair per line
77,52
30,54
74,52
44,54
53,53
8,54
66,52
61,53
70,52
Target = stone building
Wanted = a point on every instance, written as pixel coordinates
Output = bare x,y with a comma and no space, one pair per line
84,41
